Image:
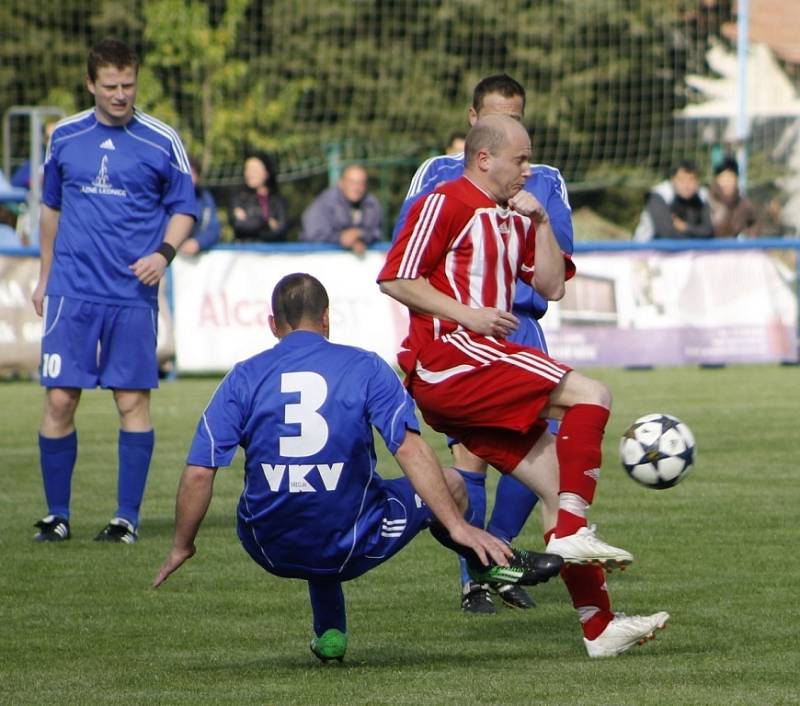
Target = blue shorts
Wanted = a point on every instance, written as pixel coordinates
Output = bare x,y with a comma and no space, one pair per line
86,344
399,517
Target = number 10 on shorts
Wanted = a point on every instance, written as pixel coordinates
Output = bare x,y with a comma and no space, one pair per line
51,365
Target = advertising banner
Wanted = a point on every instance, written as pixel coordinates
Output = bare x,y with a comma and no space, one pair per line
624,308
644,308
221,304
20,327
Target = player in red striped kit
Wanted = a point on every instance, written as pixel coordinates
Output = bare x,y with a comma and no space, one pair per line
454,265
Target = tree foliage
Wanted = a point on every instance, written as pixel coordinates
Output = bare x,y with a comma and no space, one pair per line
375,80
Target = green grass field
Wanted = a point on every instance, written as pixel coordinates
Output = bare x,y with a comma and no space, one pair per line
79,623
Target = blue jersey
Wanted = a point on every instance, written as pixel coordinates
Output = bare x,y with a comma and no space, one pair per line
115,187
303,412
545,183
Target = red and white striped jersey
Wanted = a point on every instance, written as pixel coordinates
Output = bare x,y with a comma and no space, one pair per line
466,246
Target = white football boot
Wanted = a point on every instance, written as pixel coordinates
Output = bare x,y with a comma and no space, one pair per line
625,631
585,547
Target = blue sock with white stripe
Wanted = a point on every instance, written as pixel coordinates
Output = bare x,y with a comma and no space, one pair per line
57,458
476,511
327,606
135,449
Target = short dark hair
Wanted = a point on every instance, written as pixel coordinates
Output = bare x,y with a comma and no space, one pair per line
296,297
686,165
111,52
499,83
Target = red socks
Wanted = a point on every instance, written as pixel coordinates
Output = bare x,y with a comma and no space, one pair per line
587,588
578,449
579,455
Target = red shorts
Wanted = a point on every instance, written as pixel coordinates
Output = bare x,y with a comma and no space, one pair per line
487,393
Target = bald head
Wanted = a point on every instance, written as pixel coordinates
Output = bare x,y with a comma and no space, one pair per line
492,133
497,155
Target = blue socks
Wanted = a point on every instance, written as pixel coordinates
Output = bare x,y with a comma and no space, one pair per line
327,606
57,459
513,503
135,450
476,511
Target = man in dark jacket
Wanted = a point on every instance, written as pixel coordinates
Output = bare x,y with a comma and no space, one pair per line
344,214
677,207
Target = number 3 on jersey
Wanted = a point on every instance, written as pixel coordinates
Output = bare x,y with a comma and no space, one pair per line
313,428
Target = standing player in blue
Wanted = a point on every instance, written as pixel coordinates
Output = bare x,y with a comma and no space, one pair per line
118,200
500,94
313,506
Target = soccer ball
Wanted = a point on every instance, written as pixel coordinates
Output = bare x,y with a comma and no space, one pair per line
657,450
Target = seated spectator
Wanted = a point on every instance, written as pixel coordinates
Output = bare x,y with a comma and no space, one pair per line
11,199
21,178
677,207
344,214
9,238
206,230
258,212
731,213
455,145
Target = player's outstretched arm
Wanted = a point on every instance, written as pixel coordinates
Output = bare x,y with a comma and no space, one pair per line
420,465
194,497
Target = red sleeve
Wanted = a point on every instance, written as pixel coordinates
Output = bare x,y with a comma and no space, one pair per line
569,266
423,240
526,273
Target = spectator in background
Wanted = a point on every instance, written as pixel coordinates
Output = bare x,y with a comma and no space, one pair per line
206,230
258,212
21,178
455,145
677,207
344,214
732,213
9,210
8,228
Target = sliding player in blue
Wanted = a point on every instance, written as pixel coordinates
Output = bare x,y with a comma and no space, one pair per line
313,505
500,94
117,202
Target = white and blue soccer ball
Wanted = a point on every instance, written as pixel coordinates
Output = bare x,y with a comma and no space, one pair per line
658,450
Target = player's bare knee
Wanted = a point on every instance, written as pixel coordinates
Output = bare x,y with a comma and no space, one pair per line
60,405
591,391
602,394
465,460
134,409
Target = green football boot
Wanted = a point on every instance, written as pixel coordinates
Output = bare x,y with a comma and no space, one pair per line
332,644
526,568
